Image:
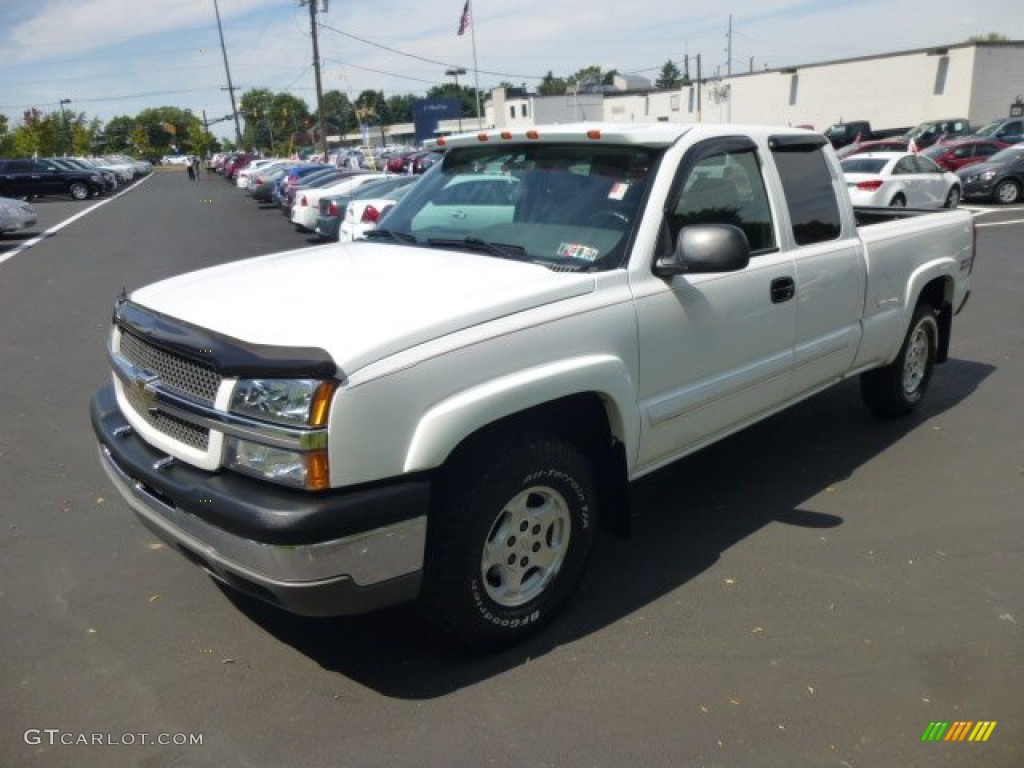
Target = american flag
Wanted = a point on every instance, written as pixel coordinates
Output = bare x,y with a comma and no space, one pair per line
465,20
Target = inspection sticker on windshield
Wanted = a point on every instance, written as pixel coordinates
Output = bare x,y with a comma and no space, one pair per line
618,191
577,251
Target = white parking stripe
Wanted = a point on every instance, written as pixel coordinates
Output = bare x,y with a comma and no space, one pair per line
57,227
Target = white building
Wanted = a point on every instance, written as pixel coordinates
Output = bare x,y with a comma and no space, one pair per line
977,81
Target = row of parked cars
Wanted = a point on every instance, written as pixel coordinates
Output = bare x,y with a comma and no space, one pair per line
333,203
24,178
940,175
77,177
985,165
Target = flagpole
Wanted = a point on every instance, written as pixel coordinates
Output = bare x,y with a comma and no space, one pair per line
476,70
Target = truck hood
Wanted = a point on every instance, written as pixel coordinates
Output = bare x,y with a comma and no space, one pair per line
360,302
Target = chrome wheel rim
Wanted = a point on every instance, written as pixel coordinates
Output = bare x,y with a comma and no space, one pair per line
1007,193
915,365
526,546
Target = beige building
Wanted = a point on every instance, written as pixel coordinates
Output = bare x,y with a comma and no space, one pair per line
977,81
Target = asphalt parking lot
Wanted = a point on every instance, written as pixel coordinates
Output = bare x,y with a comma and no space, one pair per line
814,591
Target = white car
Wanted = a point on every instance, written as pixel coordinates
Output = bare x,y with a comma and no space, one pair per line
243,176
307,201
364,214
900,179
16,215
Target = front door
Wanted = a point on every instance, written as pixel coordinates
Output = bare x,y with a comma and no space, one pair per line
715,350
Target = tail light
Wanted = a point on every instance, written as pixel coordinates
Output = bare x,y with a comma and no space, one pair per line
869,186
303,202
332,209
258,180
370,215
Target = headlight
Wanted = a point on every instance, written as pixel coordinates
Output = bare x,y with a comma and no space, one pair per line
295,402
286,407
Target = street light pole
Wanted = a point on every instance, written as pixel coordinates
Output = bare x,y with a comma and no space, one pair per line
64,119
455,73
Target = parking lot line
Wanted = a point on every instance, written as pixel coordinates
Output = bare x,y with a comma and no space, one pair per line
57,227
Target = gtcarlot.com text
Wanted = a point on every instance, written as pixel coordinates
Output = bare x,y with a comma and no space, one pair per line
58,737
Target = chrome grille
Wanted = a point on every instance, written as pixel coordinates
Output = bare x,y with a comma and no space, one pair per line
177,374
174,428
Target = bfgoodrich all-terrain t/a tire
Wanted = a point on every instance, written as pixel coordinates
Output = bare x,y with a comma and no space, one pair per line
897,388
508,539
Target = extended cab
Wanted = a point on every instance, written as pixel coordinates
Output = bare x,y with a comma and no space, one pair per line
444,412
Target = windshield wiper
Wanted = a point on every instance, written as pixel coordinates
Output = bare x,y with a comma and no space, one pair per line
390,234
501,250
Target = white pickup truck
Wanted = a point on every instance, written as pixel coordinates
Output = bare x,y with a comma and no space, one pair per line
446,411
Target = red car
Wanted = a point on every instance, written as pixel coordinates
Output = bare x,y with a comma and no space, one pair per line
952,155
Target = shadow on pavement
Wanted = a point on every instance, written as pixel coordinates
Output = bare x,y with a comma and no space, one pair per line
687,515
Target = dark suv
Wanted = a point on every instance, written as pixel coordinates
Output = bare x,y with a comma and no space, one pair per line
25,177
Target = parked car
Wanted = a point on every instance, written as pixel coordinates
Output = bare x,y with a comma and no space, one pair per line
1010,131
364,214
264,182
293,178
235,164
25,177
243,175
841,134
953,155
110,182
320,178
16,215
332,207
900,179
932,131
877,145
1000,178
307,201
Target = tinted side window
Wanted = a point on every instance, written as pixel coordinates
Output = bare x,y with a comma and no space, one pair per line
810,196
726,188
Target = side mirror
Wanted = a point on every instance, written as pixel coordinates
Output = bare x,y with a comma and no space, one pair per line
704,248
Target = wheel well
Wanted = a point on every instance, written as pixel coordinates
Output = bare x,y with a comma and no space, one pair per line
583,420
936,295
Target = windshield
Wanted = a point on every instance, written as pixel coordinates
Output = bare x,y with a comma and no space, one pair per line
990,129
570,207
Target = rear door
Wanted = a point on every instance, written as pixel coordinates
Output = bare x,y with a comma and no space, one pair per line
829,263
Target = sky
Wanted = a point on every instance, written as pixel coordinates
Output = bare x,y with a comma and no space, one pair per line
118,57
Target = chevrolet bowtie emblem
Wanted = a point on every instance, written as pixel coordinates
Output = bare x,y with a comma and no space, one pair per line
144,384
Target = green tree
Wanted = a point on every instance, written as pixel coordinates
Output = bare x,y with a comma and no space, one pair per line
551,85
991,37
669,77
38,134
6,137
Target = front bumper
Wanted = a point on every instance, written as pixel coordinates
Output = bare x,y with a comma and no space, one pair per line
314,554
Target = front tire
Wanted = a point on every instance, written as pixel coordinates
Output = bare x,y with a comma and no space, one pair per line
79,191
953,198
508,538
896,389
1007,192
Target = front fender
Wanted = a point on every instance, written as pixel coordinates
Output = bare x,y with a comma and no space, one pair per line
455,418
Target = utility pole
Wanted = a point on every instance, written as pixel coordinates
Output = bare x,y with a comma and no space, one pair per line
316,72
728,63
227,71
